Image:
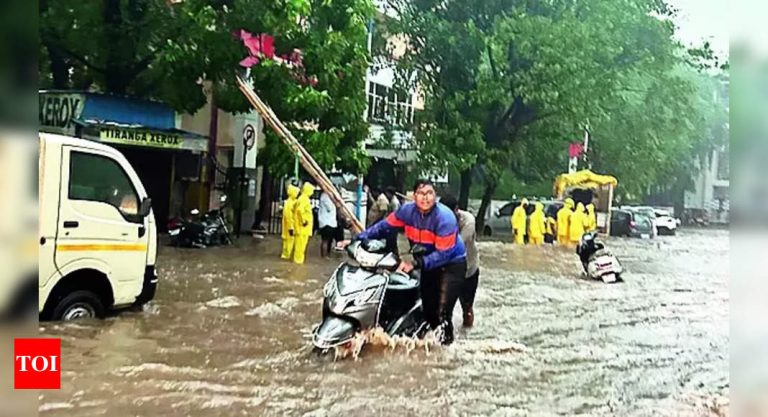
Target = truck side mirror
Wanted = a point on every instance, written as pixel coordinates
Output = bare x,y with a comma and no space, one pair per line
145,207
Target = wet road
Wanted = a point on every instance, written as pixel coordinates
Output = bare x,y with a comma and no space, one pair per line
229,332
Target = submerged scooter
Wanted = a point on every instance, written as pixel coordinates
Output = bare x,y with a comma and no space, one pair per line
369,293
599,263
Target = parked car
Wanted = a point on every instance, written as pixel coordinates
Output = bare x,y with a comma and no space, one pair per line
631,223
647,212
500,222
666,224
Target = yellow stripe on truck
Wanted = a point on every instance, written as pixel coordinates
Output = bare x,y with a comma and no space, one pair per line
109,248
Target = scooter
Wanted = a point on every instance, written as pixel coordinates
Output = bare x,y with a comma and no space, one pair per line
599,263
369,293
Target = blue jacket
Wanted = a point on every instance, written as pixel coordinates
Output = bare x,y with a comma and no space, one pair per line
436,230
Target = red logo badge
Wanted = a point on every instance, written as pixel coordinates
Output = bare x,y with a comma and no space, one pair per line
37,363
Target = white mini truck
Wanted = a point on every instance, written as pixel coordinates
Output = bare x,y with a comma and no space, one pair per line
98,236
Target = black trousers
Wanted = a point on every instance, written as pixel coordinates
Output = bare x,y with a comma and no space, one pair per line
440,289
468,291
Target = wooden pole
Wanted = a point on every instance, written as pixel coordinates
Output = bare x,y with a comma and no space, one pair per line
305,158
610,207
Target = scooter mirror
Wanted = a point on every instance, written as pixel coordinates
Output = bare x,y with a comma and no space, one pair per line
418,250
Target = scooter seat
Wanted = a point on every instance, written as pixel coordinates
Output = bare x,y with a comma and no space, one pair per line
402,282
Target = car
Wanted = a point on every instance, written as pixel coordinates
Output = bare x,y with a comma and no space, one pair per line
647,212
631,223
500,222
666,224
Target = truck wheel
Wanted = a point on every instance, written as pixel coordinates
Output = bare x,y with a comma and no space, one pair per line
78,305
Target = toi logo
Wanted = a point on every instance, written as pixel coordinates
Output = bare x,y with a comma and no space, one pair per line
37,363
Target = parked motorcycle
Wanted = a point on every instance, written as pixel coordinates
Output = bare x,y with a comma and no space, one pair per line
198,231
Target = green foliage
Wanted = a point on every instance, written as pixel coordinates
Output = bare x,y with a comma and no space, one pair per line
511,83
161,50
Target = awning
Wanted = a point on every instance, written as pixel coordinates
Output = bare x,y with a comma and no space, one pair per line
582,179
141,136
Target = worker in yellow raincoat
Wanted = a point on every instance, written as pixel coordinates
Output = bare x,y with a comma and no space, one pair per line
538,225
577,223
563,221
303,222
551,231
518,222
289,234
591,223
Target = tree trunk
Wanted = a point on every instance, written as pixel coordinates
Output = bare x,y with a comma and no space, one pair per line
466,184
678,197
58,67
490,188
115,79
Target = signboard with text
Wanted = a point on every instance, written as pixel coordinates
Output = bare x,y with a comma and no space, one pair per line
154,139
57,112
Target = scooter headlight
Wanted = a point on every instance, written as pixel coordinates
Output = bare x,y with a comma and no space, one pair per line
365,296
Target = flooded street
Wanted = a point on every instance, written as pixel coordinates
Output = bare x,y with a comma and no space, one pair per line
229,334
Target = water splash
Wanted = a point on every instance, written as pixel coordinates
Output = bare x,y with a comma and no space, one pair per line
225,302
378,337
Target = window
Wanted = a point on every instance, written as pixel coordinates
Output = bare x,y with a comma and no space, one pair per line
384,106
100,179
507,209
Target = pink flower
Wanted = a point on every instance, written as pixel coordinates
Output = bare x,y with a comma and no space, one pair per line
267,45
244,34
296,58
258,45
250,61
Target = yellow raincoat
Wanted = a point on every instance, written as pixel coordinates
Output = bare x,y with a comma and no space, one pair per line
303,222
518,222
563,221
576,226
288,234
591,223
538,226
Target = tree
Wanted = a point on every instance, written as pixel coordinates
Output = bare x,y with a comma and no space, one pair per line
529,75
165,51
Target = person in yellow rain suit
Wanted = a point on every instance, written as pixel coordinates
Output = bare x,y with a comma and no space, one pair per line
591,223
577,223
549,231
289,232
538,225
518,222
563,221
303,222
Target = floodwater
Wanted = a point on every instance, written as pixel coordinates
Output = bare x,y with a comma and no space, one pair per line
229,334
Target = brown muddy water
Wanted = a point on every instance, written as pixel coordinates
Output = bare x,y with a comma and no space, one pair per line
229,334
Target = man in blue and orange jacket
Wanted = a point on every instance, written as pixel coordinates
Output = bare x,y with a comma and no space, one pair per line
444,265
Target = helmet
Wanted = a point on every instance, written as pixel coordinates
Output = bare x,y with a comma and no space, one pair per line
588,243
